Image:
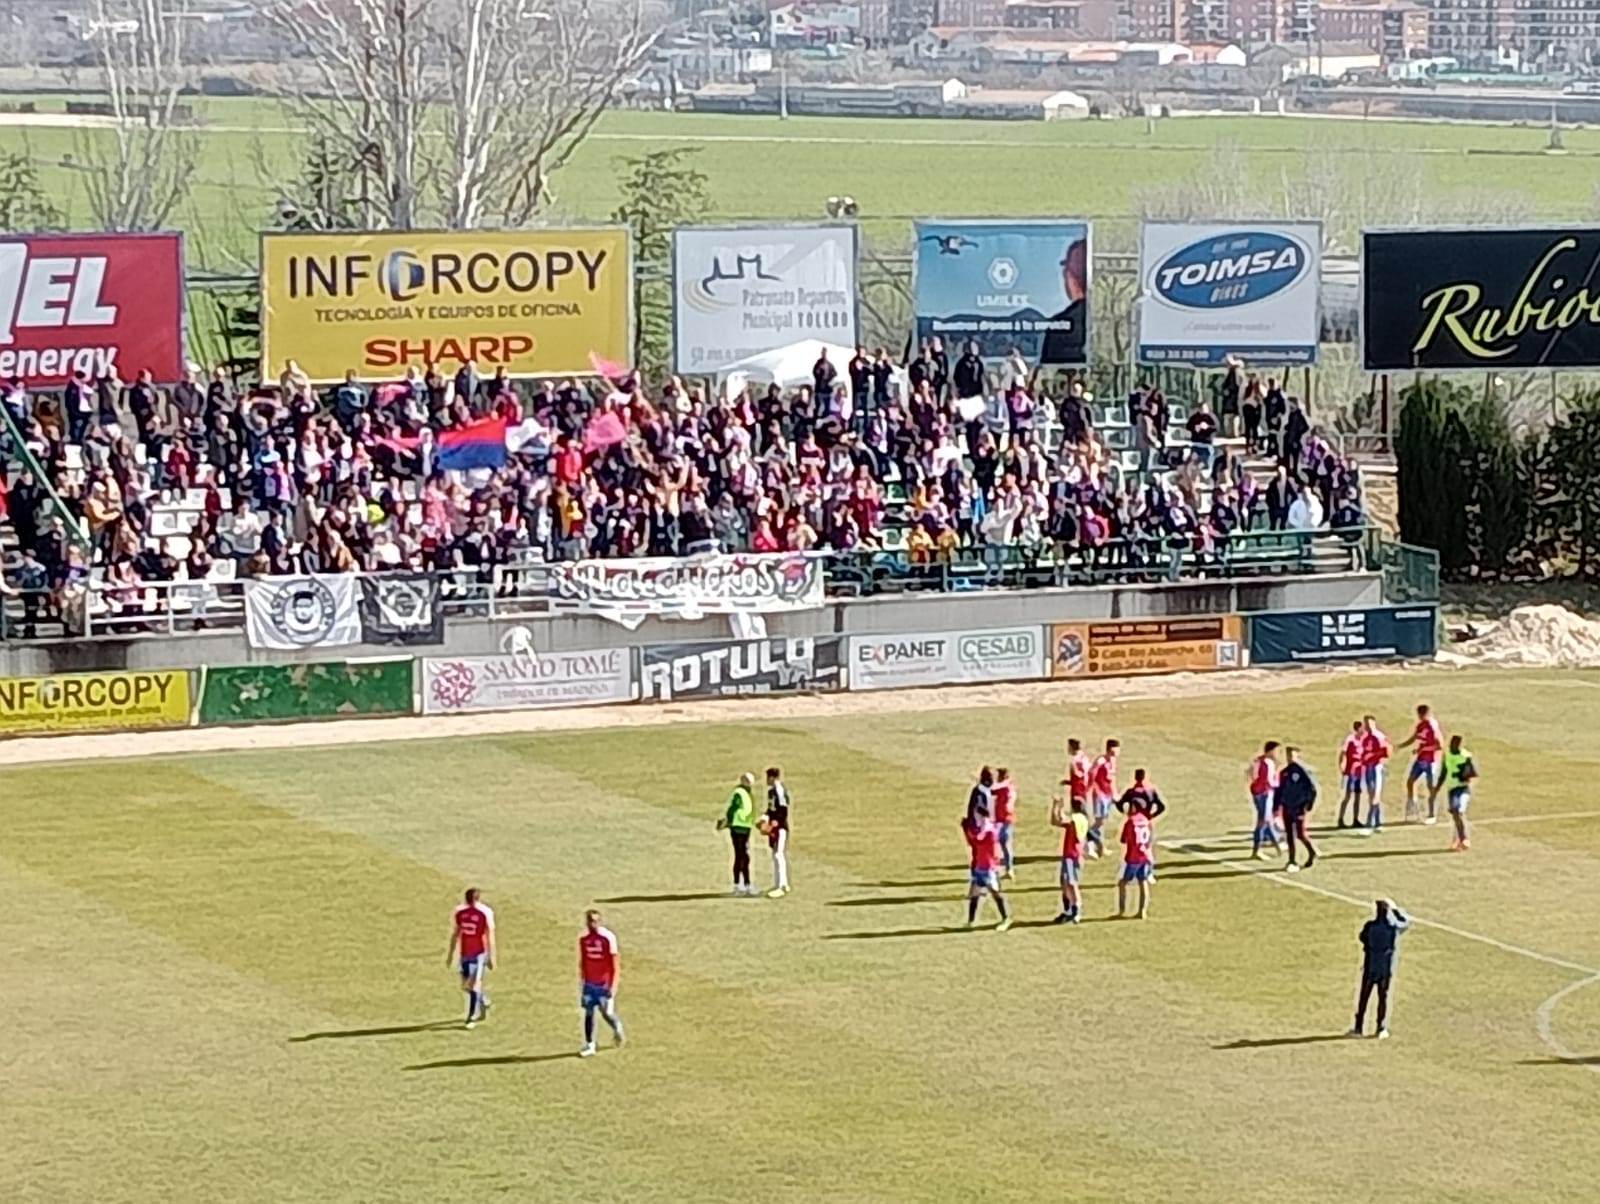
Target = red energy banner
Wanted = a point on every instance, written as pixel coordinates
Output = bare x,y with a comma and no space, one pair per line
86,302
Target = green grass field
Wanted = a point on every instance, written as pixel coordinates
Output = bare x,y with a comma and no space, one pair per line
225,975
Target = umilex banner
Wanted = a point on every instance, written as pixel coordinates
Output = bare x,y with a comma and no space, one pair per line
629,591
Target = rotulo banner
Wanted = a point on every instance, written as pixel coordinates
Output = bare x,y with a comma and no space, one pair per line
1480,298
325,690
81,702
629,591
1209,291
1004,284
526,680
889,662
535,302
709,668
1126,646
738,291
1288,637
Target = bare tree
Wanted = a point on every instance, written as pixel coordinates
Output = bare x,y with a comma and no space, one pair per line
138,173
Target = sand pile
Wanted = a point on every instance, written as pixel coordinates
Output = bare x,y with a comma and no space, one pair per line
1540,636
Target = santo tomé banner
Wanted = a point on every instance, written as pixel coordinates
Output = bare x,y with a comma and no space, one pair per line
738,291
1480,298
86,303
536,302
1005,284
1209,291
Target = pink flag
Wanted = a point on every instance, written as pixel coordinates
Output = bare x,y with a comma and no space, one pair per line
604,430
609,369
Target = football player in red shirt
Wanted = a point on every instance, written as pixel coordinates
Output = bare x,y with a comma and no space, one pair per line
472,935
1350,767
1004,798
1102,795
599,968
1428,739
1137,841
984,841
1375,750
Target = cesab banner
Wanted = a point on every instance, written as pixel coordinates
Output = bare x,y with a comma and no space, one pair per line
88,303
525,680
889,662
401,608
1212,291
628,591
1004,285
86,701
707,669
1278,638
535,302
738,291
1487,299
1145,646
290,613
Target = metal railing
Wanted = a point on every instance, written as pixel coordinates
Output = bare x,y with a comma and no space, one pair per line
1410,573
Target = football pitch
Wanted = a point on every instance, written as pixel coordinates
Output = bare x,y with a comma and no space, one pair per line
225,975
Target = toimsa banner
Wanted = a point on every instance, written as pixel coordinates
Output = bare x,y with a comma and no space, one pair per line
1280,638
706,669
1480,299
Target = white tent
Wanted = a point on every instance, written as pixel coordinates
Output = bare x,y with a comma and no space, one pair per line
786,367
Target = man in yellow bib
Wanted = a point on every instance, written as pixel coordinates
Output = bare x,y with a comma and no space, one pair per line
1459,774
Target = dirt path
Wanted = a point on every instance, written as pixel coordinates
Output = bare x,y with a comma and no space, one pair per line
35,749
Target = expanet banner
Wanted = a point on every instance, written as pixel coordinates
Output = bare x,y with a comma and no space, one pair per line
535,302
1005,284
890,662
738,291
1211,291
1480,298
86,303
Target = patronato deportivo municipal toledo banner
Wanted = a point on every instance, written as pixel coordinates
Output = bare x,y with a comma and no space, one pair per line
536,302
1116,648
85,701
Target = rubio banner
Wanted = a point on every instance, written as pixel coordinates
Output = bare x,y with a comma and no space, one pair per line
84,701
887,662
525,680
288,613
1212,291
1480,299
1145,646
738,291
627,591
1278,638
542,302
89,302
1004,285
705,669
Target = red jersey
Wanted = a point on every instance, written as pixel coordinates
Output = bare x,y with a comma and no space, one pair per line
984,841
1428,738
597,957
1103,776
1351,756
1375,749
1072,839
1263,775
474,924
1004,798
1136,838
1078,776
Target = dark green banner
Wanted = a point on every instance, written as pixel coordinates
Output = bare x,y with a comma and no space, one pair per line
268,693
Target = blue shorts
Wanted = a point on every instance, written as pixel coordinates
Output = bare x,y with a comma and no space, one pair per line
1373,776
472,968
1352,782
1102,806
1071,871
1263,805
1459,798
985,879
1005,832
1424,768
1135,873
594,995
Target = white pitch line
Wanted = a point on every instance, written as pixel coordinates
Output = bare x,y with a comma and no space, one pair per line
1244,833
1535,819
1544,1017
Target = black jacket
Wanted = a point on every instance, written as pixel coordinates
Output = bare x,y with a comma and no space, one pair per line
1297,789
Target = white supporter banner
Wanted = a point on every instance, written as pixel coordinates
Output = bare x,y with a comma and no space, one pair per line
738,291
629,591
891,662
289,613
525,680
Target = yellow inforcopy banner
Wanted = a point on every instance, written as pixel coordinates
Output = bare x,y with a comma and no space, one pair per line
536,302
84,701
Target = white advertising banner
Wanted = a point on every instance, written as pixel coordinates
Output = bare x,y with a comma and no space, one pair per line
1250,289
627,591
890,662
525,680
289,613
739,291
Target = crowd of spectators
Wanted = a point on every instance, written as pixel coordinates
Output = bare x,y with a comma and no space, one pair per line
928,458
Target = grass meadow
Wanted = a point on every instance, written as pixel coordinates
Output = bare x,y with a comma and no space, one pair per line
225,975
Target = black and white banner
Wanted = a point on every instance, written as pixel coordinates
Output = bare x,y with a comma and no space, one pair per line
708,668
289,613
691,587
401,608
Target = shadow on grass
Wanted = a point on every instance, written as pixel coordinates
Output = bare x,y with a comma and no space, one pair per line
891,884
1275,1042
500,1060
1584,1060
687,897
1368,854
394,1030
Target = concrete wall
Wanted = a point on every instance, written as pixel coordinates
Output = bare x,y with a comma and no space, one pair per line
900,613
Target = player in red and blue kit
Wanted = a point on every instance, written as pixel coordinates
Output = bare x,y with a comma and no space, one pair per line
983,839
599,967
1428,740
1102,796
1004,797
472,936
1138,841
1375,750
1350,767
1263,788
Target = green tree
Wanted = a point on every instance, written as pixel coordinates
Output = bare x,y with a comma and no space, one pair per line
1429,446
1499,499
1571,471
25,207
661,190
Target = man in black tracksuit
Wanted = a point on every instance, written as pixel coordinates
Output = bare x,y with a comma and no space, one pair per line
1379,936
1297,794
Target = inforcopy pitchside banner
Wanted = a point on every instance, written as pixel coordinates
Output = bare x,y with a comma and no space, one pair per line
889,662
536,302
88,302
